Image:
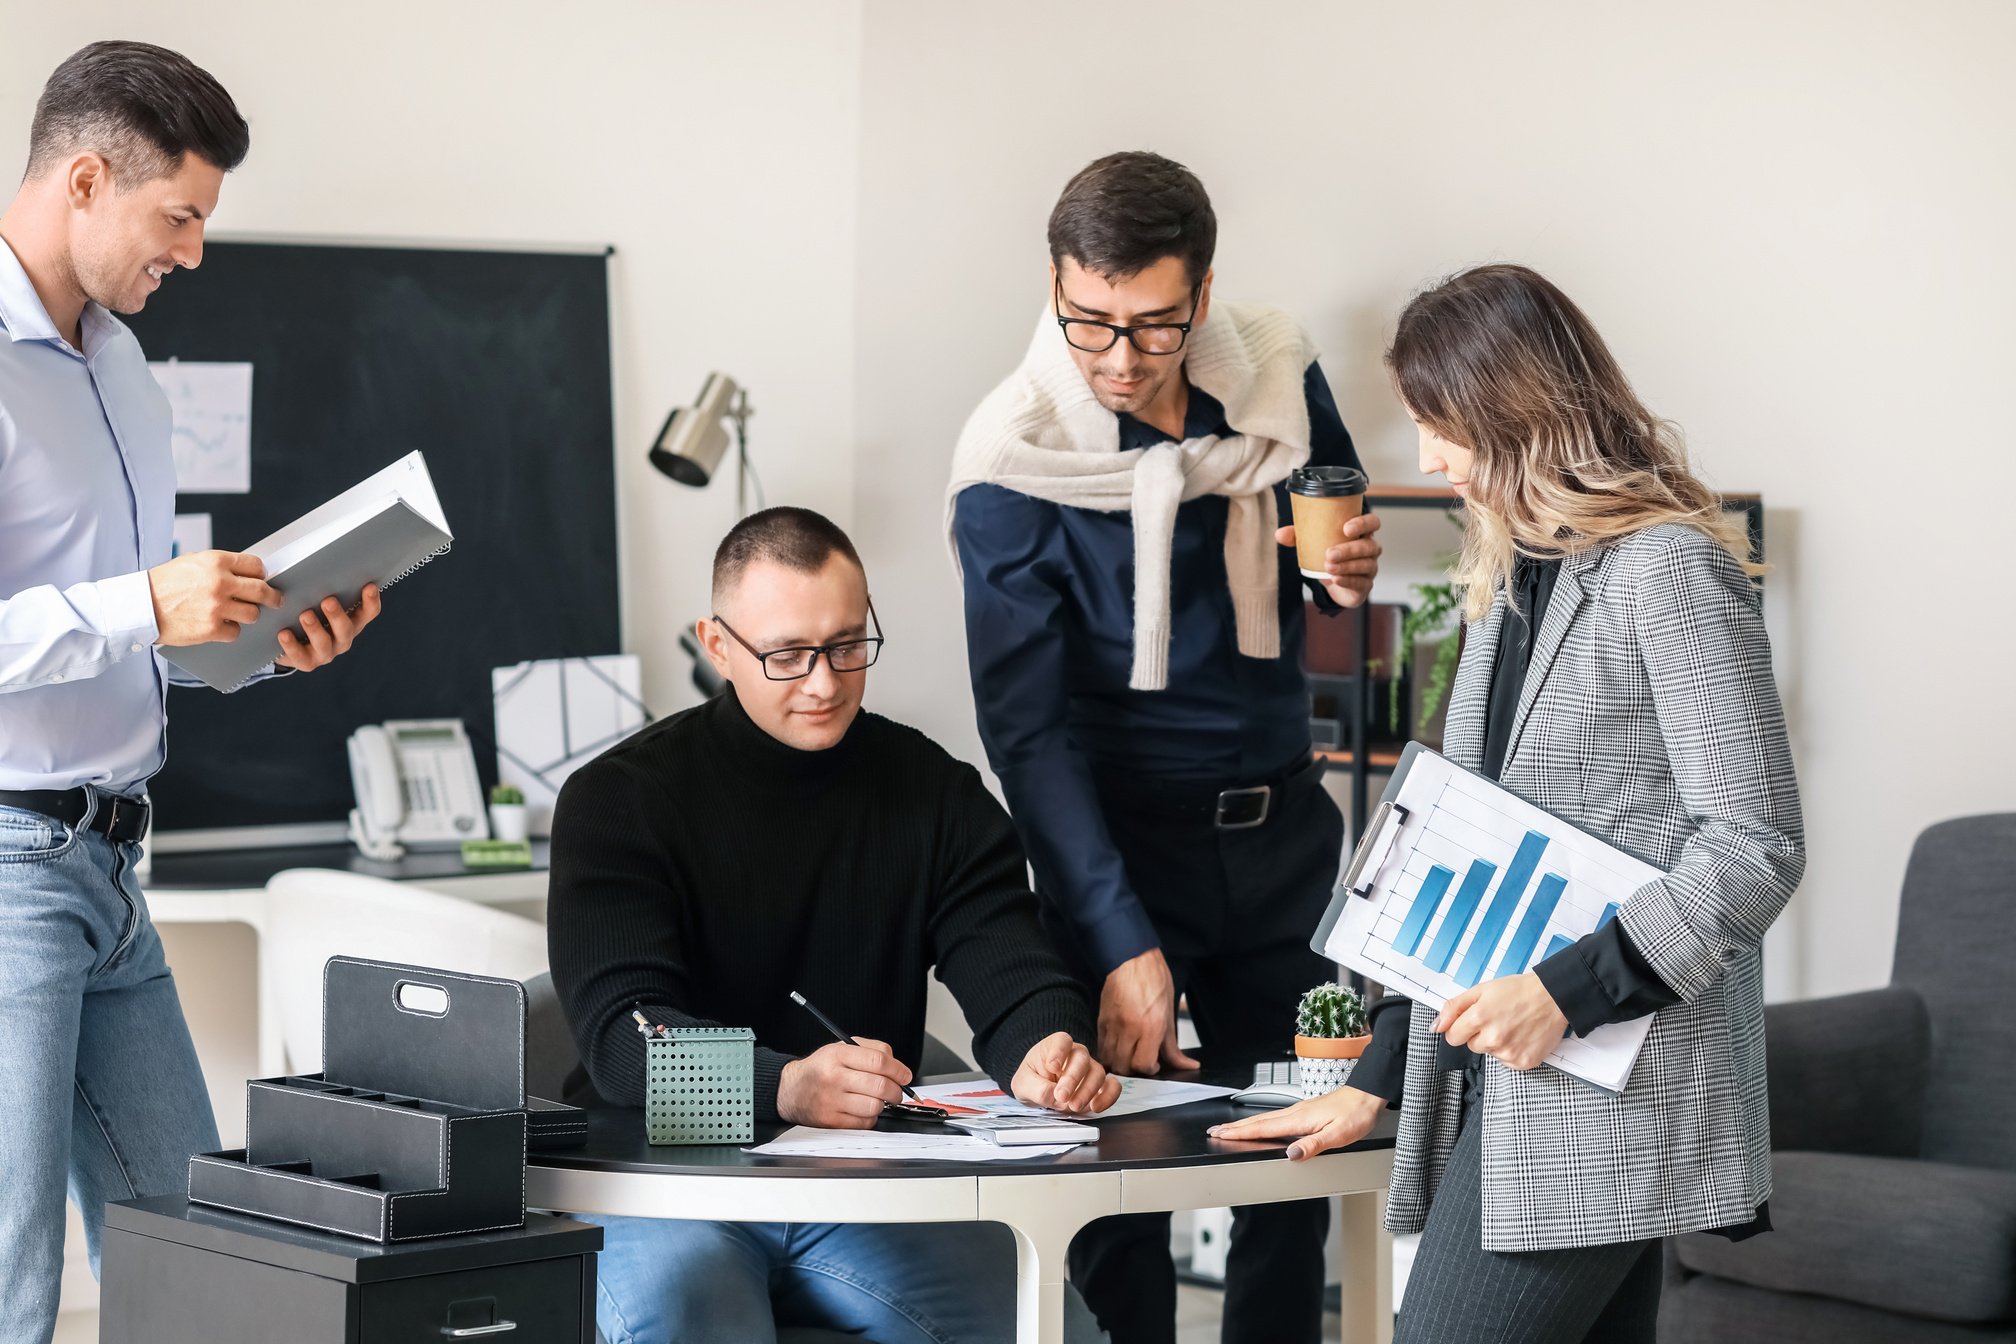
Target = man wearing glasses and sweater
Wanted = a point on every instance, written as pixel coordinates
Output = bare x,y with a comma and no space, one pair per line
779,838
1134,629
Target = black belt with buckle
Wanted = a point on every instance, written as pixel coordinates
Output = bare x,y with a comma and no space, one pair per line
116,818
1235,809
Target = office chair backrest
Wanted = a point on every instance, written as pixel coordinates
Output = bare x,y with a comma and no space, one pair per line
1956,945
315,913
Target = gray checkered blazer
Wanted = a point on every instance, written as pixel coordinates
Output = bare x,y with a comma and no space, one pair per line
1648,717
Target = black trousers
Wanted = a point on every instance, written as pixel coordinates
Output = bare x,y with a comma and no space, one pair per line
1235,910
1460,1293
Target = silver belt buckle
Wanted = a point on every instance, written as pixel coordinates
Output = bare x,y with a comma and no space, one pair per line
1266,793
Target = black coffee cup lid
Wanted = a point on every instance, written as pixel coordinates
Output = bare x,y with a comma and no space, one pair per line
1326,482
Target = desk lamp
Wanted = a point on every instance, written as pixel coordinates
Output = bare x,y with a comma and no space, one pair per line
690,444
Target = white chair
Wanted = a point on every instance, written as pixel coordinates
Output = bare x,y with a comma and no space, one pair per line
317,913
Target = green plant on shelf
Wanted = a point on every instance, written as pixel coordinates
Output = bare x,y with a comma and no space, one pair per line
1433,618
507,795
1330,1012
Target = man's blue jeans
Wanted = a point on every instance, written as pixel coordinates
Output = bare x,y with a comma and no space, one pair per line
99,1086
667,1281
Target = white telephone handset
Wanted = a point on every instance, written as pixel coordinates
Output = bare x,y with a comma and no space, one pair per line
416,785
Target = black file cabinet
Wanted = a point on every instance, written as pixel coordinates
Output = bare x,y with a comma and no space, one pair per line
176,1273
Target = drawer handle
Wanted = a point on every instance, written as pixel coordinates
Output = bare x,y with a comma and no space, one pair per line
477,1331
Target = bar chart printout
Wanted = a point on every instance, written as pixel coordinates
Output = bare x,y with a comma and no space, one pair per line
1477,884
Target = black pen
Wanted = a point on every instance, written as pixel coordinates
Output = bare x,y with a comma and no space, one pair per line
841,1036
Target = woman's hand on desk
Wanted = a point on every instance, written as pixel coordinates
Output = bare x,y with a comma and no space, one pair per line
1513,1019
1060,1073
841,1086
1333,1120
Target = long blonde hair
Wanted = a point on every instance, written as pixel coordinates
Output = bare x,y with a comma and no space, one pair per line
1565,457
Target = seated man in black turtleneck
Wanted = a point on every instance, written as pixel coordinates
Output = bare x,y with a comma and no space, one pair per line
779,838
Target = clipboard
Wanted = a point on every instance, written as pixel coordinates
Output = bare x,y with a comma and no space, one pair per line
1457,880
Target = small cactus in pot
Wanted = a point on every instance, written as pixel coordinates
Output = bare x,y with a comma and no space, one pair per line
1330,1035
508,819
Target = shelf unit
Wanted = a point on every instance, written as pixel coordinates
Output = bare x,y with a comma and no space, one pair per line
1359,762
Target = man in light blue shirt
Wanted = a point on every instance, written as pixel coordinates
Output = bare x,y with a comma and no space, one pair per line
99,1086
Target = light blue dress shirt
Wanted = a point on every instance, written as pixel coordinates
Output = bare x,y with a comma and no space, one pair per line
87,506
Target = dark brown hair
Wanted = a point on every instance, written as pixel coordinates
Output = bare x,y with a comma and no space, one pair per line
141,108
1499,361
1125,212
797,539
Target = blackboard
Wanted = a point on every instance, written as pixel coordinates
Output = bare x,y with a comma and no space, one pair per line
496,365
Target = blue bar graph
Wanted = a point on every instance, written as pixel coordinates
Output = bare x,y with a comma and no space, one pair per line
1561,940
1433,888
1467,896
1609,913
1510,892
1532,924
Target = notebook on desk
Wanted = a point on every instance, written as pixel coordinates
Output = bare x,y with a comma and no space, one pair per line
378,531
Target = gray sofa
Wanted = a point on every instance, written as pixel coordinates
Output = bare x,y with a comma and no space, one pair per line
1893,1123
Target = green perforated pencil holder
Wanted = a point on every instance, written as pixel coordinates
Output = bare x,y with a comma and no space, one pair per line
700,1086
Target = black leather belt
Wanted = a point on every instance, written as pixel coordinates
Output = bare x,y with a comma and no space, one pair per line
116,818
1235,809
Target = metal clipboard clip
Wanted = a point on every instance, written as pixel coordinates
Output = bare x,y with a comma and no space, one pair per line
1373,847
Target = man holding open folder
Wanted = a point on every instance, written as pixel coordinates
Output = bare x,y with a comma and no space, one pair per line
99,1085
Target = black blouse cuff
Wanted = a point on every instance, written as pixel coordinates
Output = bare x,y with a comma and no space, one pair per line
1382,1069
1600,978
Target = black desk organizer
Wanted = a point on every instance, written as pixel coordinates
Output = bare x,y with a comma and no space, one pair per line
416,1126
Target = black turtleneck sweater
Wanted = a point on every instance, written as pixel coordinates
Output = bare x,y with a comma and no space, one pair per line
702,870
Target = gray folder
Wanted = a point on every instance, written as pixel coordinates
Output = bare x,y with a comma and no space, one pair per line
389,540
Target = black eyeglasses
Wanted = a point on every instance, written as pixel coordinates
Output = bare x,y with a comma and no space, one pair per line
1150,338
852,655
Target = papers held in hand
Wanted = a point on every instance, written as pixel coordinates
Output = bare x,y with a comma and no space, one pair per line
378,531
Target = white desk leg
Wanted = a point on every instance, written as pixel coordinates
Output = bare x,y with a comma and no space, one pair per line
1365,1267
1044,1214
272,1045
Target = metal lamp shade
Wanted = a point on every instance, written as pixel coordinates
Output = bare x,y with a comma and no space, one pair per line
690,445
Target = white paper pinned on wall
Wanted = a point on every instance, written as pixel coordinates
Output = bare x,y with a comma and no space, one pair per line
557,714
213,425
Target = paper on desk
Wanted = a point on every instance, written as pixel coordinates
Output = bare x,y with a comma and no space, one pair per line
1136,1095
804,1141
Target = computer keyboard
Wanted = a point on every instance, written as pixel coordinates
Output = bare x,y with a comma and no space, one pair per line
1275,1083
1278,1073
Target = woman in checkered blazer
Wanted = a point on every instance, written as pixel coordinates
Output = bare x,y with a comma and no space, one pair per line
1615,671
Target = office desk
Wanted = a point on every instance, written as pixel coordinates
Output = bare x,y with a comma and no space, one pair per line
1157,1162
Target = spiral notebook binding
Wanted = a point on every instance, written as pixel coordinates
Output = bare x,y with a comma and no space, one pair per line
417,564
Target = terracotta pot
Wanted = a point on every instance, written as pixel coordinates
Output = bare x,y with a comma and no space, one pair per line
1331,1047
1325,1062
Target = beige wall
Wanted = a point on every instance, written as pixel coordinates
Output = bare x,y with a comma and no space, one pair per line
713,145
1792,221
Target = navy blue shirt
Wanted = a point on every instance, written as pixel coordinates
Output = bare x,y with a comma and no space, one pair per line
1050,640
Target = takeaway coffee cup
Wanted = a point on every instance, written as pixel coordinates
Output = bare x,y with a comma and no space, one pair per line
1322,500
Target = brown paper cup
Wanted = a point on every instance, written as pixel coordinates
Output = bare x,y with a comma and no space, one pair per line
1321,500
